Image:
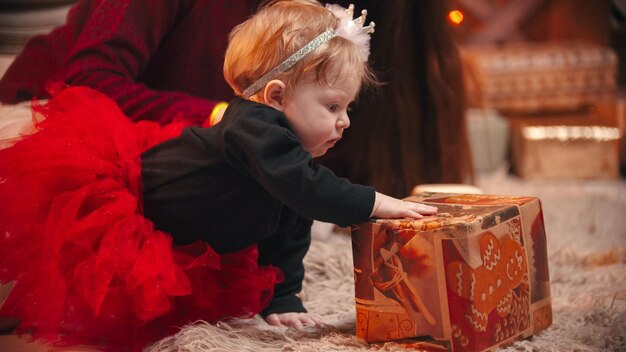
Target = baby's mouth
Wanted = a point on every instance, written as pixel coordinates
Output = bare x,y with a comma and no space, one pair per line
332,142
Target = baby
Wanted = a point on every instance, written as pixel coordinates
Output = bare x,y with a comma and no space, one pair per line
124,232
297,66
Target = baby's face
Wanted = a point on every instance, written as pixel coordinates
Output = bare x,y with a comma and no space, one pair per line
319,112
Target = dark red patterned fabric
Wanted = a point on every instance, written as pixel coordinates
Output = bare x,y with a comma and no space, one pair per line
159,60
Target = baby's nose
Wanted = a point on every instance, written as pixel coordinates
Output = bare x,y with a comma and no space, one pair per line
343,122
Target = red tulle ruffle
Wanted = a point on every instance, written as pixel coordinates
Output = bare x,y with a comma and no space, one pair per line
88,267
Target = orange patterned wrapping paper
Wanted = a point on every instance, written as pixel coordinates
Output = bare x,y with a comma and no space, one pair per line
474,277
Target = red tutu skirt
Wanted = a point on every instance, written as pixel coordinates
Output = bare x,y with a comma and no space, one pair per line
88,267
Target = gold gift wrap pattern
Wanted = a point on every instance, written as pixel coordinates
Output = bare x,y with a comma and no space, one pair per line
562,151
527,78
474,277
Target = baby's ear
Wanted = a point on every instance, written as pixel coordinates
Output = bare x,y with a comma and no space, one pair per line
274,94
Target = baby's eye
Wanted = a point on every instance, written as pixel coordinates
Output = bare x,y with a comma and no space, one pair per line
333,107
350,107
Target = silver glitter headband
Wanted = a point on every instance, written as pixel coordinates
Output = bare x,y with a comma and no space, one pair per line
288,63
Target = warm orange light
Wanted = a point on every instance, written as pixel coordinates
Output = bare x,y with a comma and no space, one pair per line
456,17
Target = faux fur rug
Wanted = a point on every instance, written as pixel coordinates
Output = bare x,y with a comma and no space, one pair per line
586,228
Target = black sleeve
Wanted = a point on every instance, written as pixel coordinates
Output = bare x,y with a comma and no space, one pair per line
263,145
286,250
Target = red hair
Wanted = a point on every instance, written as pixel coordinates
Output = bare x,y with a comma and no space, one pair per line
279,29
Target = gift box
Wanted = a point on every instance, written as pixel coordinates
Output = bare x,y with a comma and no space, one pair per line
565,149
473,277
531,77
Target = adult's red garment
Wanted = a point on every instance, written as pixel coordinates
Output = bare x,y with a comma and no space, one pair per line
159,60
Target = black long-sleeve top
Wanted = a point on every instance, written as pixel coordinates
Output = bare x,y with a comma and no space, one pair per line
248,180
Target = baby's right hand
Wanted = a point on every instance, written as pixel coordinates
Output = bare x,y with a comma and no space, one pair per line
386,207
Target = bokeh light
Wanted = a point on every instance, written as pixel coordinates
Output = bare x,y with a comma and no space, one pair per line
455,17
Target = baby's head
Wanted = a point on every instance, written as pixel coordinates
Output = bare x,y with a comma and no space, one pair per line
280,29
305,60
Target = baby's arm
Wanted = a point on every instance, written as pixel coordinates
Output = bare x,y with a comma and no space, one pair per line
390,208
286,250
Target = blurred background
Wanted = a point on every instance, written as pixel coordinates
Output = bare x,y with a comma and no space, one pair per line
542,113
545,85
22,19
550,75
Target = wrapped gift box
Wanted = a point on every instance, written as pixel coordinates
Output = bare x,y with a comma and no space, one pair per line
474,277
530,78
565,149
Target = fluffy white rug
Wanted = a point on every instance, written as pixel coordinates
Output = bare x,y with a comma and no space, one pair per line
586,228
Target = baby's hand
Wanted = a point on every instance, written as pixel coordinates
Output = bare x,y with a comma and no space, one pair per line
294,320
386,207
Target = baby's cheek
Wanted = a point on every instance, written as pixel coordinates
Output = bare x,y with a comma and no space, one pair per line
317,141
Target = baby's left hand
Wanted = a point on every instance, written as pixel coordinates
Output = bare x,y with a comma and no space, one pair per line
294,320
